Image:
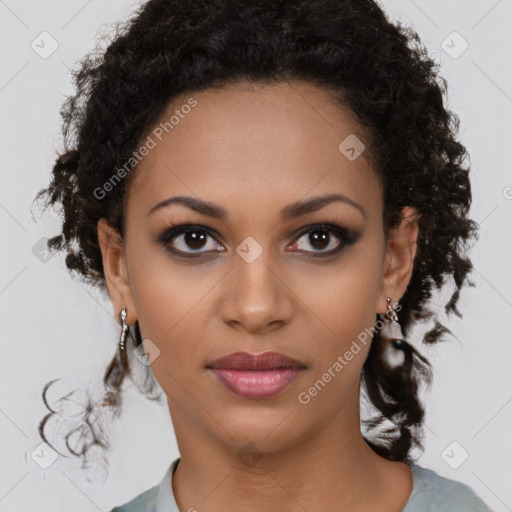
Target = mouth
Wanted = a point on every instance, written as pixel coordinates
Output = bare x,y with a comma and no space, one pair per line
260,362
256,376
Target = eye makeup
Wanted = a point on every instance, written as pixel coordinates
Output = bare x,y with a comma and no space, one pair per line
187,233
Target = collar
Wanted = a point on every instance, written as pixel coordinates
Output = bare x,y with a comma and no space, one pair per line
164,501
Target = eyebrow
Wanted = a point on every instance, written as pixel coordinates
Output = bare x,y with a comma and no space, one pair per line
287,213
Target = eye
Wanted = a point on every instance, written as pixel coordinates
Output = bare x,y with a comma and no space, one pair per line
325,239
189,240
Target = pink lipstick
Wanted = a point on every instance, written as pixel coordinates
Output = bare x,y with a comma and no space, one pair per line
256,376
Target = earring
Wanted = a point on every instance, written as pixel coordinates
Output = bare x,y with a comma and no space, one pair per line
122,340
392,329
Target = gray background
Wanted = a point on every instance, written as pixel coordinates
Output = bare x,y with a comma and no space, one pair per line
54,326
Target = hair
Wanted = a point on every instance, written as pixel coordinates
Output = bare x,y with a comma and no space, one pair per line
378,69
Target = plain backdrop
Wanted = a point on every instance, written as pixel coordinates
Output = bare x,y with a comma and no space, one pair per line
54,326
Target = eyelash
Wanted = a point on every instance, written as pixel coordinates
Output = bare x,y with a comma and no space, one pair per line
345,235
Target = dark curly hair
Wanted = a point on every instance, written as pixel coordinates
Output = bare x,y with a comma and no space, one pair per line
378,69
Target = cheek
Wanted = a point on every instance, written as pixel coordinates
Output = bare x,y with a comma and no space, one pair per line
171,316
171,302
344,311
343,298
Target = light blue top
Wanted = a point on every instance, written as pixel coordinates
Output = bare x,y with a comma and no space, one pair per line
431,493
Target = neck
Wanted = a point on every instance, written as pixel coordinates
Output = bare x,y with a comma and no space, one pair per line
278,471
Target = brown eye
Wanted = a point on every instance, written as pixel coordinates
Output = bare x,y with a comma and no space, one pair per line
319,240
194,239
324,239
188,240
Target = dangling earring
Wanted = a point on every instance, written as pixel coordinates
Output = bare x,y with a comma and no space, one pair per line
392,329
122,340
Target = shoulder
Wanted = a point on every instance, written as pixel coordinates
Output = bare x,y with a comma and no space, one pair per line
160,497
144,502
432,492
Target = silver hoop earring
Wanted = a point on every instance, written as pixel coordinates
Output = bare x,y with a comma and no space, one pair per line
122,340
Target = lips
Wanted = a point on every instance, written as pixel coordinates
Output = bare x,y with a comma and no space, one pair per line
260,362
256,376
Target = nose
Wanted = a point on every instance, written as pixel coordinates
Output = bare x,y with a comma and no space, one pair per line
257,298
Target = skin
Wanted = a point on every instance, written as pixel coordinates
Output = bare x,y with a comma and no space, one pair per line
254,149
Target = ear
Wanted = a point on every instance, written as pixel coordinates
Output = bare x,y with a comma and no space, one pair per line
399,258
116,274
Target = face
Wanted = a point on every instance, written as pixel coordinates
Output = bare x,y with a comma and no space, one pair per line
265,275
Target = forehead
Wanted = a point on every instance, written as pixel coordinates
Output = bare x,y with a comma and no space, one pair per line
247,142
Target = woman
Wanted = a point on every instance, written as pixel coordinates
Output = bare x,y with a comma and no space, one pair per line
270,193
